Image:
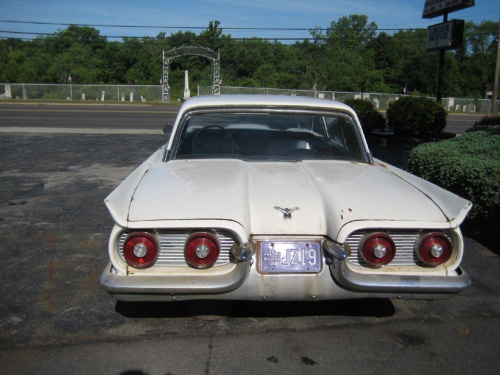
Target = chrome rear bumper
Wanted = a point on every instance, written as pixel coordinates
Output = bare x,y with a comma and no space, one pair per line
247,283
357,282
203,284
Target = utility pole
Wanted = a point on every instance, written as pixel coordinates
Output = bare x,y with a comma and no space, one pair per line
442,53
497,73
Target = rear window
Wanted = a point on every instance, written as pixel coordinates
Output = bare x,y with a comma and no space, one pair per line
269,135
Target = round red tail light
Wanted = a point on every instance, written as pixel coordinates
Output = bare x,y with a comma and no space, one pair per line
435,249
140,250
202,250
378,249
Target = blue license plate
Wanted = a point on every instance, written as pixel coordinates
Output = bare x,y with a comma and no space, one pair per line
290,257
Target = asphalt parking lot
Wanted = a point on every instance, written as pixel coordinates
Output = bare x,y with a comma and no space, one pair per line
55,318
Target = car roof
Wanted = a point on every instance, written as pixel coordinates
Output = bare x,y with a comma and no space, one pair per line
262,101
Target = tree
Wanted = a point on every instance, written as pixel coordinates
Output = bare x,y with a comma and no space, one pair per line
352,32
348,56
348,65
477,56
212,37
401,58
11,62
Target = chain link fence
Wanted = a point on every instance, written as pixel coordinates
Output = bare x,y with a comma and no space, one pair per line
379,100
153,93
70,92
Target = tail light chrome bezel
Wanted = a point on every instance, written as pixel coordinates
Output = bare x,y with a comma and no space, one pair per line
202,250
434,248
377,249
140,250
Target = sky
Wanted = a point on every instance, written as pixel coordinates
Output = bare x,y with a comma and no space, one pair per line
170,16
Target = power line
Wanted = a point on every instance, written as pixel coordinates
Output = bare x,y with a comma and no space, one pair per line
324,38
103,25
197,27
196,37
317,38
320,29
284,39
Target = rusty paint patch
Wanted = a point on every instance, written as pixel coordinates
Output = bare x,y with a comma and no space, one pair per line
382,165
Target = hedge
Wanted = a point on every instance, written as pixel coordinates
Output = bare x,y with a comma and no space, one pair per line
468,165
488,123
368,115
416,116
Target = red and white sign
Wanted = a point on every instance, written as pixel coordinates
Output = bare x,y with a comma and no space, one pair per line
434,8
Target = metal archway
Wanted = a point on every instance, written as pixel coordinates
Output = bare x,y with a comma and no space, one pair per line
190,50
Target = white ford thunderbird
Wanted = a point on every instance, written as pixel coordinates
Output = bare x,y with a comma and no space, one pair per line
278,198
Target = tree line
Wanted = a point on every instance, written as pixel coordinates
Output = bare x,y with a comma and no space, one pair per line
350,55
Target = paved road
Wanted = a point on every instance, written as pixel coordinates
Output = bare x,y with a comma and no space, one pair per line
459,123
86,118
55,318
123,118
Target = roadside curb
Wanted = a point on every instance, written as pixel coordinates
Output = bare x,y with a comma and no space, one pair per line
77,130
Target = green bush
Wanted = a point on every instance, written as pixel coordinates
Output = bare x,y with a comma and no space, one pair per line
368,115
468,165
488,123
416,116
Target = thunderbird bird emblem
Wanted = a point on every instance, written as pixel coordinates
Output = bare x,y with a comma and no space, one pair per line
287,212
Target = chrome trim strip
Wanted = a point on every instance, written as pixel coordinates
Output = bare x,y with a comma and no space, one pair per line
199,284
358,282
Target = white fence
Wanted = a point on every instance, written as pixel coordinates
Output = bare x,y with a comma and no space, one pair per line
153,93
